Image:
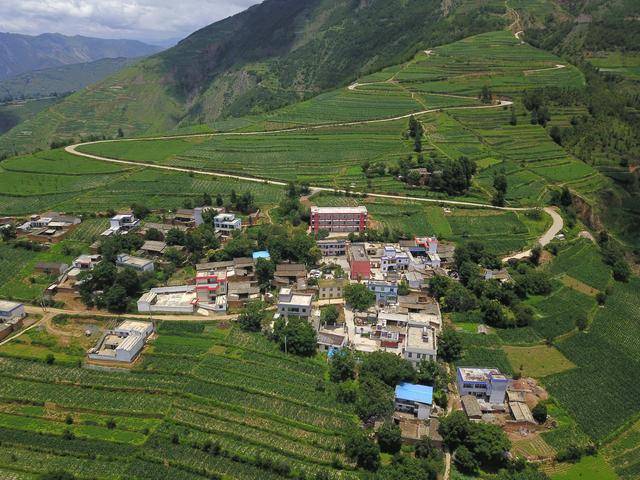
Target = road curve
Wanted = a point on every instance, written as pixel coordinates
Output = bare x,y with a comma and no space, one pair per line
549,235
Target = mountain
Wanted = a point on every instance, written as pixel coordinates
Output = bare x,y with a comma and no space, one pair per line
24,53
60,80
273,54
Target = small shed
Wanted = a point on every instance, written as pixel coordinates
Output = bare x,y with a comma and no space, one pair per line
520,412
471,407
415,399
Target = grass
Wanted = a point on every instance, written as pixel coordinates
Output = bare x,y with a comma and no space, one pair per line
588,468
538,361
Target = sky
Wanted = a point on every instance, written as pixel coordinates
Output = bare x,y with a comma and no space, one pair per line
153,21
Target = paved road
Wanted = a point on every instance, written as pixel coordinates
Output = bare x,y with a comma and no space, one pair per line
549,235
96,313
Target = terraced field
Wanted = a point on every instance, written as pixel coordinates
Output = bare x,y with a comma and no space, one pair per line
502,232
59,181
217,402
606,356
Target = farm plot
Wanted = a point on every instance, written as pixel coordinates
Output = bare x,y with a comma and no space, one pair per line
624,453
606,356
538,361
582,260
199,384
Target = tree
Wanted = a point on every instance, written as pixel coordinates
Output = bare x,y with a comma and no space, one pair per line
387,367
359,297
390,438
465,460
540,413
50,359
8,232
347,392
139,210
363,451
485,95
375,399
513,120
425,448
329,315
296,336
219,200
252,316
403,288
621,271
120,132
449,345
265,269
116,299
581,321
455,429
536,254
488,443
153,234
342,366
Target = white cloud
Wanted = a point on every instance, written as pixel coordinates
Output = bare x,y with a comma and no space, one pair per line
150,20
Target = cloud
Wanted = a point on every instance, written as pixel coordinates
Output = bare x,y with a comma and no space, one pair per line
149,20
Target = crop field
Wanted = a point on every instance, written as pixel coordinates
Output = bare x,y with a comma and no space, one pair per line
606,356
538,361
198,384
502,232
619,63
558,312
582,260
55,180
624,453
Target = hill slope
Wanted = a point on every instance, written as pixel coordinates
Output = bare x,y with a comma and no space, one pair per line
24,53
273,54
59,80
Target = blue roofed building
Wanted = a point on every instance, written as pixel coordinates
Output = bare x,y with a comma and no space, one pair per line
262,254
414,399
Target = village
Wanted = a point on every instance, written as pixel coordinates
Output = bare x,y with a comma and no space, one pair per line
361,296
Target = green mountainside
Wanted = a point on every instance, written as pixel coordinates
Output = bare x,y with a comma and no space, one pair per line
273,54
60,80
24,53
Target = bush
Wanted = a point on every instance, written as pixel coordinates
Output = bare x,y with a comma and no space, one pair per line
465,460
539,412
363,451
390,438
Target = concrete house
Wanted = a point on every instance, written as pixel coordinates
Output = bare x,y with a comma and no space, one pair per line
421,344
386,291
414,399
488,385
394,259
339,219
330,341
359,262
11,310
124,260
226,223
332,248
121,224
123,344
331,288
292,304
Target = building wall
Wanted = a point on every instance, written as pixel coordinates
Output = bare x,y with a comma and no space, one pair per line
338,222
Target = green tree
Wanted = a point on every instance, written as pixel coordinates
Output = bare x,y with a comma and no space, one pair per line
116,299
449,345
8,232
342,366
362,451
296,336
57,475
219,200
387,367
265,269
154,234
390,438
252,316
375,399
465,461
540,413
425,448
359,297
329,315
455,429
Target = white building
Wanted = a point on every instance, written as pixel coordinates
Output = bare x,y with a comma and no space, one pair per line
226,223
123,343
394,259
421,344
414,399
179,300
486,384
291,304
121,225
385,291
138,264
11,310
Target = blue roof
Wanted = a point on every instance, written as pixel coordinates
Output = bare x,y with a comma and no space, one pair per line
262,254
415,393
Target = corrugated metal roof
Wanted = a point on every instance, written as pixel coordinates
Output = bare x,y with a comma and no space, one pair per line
415,393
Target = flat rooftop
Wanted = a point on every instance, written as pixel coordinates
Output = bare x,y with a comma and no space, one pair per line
341,210
297,299
415,393
358,253
417,338
7,306
175,299
475,374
